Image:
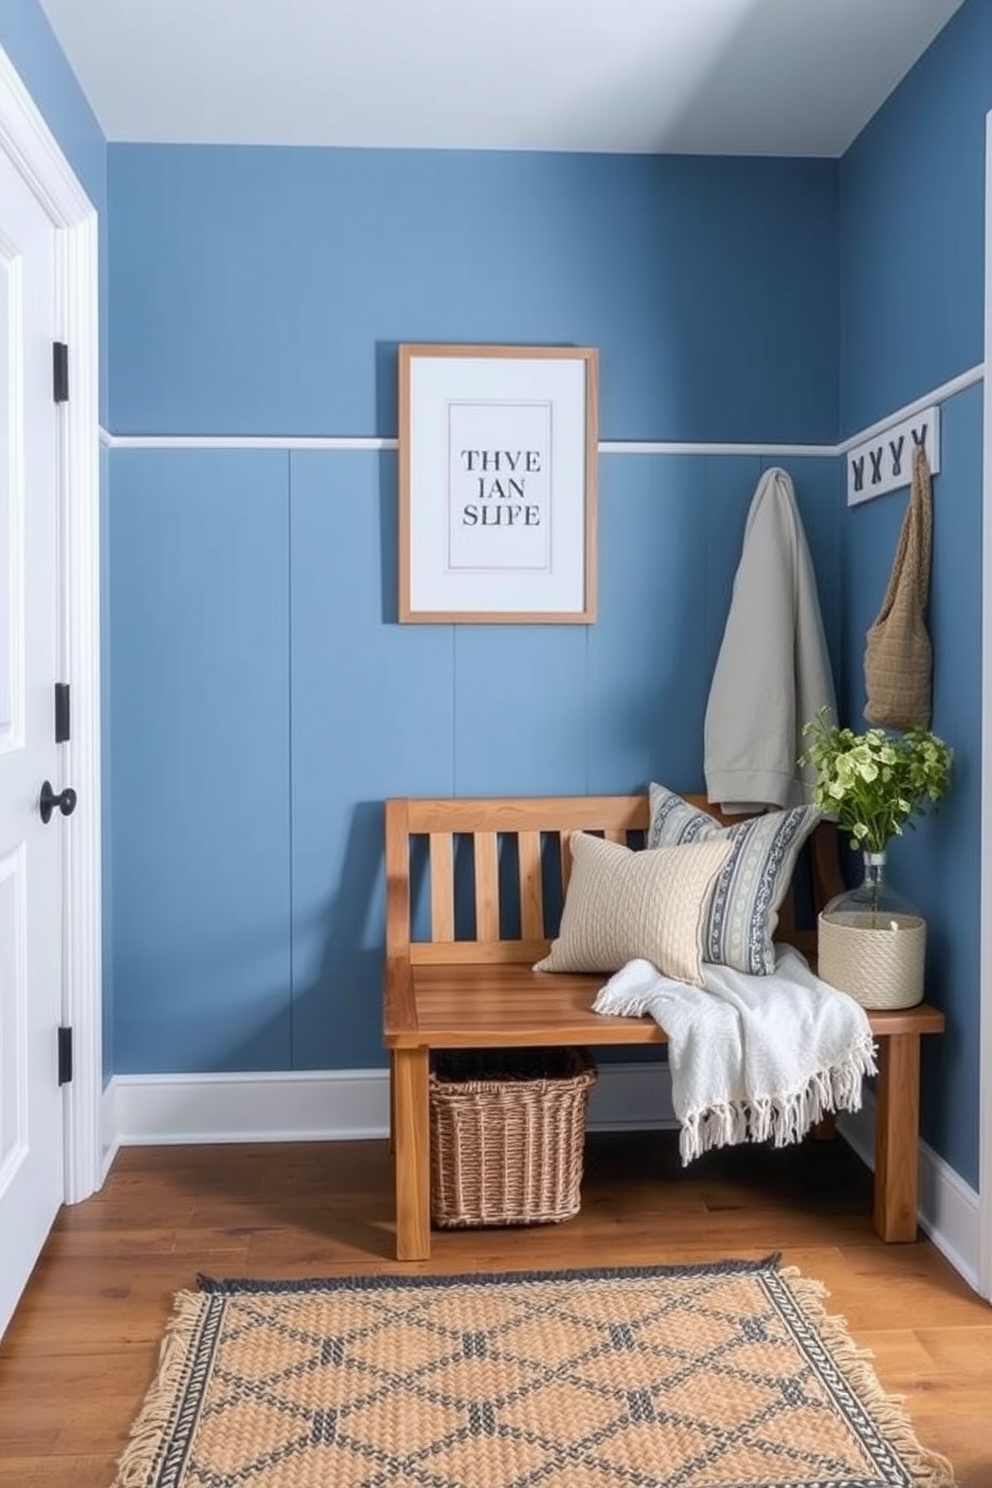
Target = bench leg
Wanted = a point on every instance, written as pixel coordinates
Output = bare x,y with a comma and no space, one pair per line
411,1140
392,1103
897,1131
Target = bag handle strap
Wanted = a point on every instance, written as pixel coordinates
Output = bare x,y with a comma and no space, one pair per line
915,539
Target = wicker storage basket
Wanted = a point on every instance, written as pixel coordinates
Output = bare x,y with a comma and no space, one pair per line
507,1135
878,968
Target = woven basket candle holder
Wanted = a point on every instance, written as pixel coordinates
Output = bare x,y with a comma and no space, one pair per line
879,966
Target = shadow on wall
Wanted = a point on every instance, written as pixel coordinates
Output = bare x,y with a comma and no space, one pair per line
389,570
387,386
338,957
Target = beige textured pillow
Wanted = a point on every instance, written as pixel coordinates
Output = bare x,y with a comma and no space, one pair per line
622,904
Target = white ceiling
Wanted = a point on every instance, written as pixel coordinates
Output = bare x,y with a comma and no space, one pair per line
739,77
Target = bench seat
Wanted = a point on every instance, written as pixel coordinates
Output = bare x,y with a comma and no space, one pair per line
511,1006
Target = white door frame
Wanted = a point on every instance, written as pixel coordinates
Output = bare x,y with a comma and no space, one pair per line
26,139
985,977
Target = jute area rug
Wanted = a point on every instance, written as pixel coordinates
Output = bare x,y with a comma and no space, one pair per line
720,1376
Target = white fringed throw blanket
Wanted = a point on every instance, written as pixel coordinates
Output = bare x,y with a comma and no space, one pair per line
752,1058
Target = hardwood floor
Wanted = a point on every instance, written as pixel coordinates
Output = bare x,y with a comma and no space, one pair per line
81,1350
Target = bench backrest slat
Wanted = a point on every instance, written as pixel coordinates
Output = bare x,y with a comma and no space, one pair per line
565,851
486,886
531,885
477,952
442,887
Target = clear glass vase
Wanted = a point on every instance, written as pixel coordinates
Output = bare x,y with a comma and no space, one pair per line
872,941
873,904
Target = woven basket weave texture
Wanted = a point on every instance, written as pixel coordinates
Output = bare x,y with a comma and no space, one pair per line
878,968
508,1135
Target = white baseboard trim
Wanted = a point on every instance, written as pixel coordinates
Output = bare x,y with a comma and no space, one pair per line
353,1105
295,1106
323,1106
949,1207
632,1097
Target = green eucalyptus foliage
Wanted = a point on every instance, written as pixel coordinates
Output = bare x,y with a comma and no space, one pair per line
875,782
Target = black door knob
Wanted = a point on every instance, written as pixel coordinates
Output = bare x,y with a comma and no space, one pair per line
48,801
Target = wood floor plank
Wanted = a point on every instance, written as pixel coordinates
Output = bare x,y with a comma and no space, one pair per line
83,1345
90,1471
960,1350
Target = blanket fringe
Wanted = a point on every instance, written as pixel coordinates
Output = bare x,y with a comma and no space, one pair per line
927,1469
136,1464
607,1002
780,1119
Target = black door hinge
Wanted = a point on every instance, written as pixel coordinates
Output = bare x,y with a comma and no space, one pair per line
61,712
65,1056
60,372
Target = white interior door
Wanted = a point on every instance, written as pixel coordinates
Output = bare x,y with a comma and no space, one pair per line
985,1048
31,853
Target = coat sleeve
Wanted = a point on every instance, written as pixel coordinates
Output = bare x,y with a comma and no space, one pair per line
773,670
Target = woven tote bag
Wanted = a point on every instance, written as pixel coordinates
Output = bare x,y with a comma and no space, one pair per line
898,655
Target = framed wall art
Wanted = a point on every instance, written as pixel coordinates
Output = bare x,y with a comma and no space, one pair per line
498,462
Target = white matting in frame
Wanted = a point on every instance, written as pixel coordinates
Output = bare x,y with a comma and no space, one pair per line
498,462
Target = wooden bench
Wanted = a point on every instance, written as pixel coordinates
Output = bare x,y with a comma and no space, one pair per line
471,986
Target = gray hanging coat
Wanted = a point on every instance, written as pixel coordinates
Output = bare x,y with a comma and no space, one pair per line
773,671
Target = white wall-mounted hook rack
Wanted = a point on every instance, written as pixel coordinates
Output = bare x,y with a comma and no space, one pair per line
885,462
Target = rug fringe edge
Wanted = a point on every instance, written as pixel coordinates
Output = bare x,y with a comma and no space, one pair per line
929,1469
146,1436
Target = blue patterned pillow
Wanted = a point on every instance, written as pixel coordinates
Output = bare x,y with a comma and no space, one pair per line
749,890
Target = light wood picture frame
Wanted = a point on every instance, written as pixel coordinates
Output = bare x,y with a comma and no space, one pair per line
498,455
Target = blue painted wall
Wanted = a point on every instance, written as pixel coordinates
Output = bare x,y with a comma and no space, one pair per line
912,204
265,690
264,291
200,788
30,43
260,678
912,228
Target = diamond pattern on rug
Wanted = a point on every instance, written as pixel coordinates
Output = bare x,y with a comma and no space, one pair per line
711,1377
